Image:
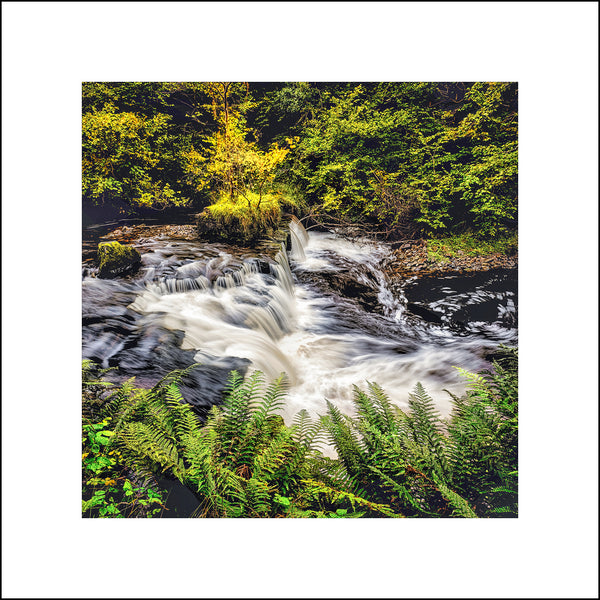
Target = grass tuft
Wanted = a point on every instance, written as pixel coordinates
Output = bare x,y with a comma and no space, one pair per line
249,216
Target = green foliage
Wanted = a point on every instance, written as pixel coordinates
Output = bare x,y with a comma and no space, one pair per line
471,179
404,158
109,488
246,202
347,148
124,154
247,463
483,438
245,218
243,461
419,465
469,244
151,425
385,152
236,164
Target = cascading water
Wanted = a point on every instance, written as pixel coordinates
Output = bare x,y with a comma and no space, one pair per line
324,313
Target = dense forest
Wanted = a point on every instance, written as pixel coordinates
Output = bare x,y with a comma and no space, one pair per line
403,159
185,337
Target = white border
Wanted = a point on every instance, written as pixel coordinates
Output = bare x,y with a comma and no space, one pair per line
549,48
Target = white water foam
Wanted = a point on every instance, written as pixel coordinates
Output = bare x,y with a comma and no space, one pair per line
280,327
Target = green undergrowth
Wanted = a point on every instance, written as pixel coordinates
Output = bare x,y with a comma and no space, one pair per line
469,244
243,461
109,487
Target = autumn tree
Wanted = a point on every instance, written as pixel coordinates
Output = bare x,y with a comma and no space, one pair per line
124,155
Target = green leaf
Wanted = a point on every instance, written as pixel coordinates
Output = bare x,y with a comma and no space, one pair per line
282,500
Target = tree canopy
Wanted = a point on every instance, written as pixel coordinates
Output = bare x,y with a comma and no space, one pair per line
404,158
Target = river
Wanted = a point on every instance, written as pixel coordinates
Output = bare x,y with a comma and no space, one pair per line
324,312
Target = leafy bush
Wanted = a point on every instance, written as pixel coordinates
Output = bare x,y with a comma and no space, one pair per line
385,152
125,155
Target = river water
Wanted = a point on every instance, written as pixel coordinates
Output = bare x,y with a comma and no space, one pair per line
324,312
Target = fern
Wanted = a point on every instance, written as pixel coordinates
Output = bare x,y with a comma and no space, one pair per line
273,399
425,429
314,489
256,456
459,505
243,461
343,438
483,438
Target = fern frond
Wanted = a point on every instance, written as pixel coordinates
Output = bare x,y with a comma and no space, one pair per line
182,418
237,406
272,399
346,443
148,445
258,497
271,458
366,408
461,507
175,377
334,496
388,412
426,424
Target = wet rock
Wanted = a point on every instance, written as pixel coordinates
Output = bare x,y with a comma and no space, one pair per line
423,312
115,260
345,286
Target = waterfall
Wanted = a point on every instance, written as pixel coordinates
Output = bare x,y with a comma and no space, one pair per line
324,313
299,239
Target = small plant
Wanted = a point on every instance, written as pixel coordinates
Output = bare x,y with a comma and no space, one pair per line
109,487
246,462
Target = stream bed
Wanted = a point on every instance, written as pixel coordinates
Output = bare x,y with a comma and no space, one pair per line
323,311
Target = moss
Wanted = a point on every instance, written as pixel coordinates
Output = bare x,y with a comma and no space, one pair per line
115,259
243,219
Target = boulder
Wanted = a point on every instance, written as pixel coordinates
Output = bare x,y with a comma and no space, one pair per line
115,259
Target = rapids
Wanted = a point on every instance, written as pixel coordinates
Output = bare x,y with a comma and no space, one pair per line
324,312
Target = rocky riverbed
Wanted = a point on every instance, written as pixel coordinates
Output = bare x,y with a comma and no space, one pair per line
408,258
